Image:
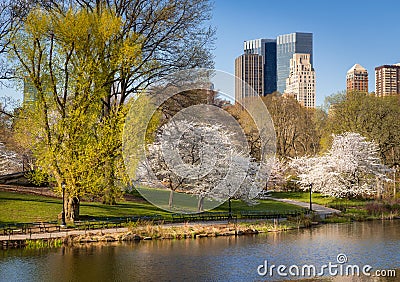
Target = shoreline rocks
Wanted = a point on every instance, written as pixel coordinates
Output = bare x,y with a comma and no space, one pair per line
151,232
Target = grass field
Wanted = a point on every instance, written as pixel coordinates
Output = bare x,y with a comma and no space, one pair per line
319,199
17,208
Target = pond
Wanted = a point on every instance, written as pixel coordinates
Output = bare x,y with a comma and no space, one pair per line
243,258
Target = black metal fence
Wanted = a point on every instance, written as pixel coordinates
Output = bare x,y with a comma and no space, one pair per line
117,222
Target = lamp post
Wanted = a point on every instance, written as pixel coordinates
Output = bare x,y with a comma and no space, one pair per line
229,203
310,197
394,182
63,224
230,208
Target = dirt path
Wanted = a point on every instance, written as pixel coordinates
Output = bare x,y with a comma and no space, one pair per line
41,191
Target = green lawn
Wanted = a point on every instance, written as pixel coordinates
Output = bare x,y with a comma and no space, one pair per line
319,199
182,201
269,205
17,208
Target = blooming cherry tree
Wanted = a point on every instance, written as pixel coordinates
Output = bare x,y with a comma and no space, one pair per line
278,171
9,161
351,168
202,159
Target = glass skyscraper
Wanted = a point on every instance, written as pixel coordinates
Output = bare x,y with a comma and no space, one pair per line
249,70
286,46
266,48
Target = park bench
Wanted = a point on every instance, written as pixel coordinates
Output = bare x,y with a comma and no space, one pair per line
16,228
43,227
11,229
29,228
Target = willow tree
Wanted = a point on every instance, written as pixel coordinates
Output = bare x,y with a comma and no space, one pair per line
58,55
84,59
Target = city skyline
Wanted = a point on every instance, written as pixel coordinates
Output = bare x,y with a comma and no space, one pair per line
287,67
336,48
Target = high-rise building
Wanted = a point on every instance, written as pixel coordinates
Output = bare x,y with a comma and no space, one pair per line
266,48
387,80
357,79
301,81
286,46
249,70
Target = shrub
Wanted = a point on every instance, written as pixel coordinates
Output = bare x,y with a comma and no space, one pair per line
376,208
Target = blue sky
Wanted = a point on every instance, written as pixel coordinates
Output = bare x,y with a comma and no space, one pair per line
345,32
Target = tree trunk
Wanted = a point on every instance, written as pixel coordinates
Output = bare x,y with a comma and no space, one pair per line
200,205
71,206
110,192
171,198
109,196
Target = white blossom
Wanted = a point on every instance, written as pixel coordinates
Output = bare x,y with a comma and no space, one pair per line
9,161
201,159
351,168
278,171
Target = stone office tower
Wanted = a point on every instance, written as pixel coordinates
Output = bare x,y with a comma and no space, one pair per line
301,81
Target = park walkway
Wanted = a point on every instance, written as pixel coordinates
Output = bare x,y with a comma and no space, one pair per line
319,209
60,234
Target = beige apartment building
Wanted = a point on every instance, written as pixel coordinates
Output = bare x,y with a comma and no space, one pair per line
357,79
387,80
249,72
301,81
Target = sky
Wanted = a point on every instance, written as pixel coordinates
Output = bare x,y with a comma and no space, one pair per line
344,33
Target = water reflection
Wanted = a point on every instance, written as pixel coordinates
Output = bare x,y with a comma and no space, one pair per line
209,259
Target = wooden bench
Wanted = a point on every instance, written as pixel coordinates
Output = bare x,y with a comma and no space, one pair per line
18,228
44,227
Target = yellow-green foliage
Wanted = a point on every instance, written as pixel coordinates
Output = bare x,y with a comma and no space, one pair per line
141,123
376,118
74,127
